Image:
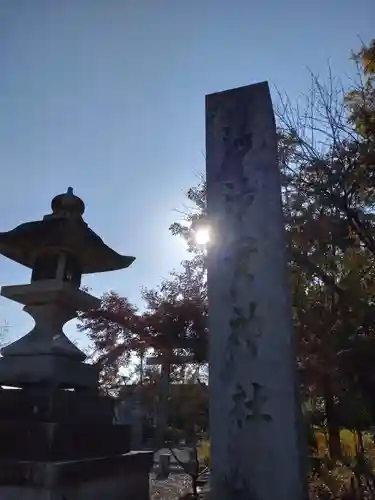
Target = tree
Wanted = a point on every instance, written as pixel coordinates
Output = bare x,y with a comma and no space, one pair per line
176,312
327,160
326,154
189,407
361,100
115,331
174,321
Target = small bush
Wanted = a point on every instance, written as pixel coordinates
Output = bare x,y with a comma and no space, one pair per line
204,453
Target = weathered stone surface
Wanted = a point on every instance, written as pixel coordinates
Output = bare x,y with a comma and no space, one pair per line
254,412
48,370
115,478
65,294
63,407
46,441
55,474
50,460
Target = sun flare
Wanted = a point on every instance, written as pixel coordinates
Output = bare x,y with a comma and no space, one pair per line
202,236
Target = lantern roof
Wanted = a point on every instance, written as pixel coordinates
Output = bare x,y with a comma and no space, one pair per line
62,231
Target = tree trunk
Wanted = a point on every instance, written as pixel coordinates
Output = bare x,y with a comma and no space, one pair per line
141,366
334,443
194,485
360,445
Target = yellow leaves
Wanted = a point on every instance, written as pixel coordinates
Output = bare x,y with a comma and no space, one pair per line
368,58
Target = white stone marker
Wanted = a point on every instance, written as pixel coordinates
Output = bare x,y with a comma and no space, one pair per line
254,409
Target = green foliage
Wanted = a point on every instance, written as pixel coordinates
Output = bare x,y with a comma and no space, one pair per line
188,408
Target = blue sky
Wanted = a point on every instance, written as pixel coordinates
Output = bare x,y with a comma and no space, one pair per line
107,96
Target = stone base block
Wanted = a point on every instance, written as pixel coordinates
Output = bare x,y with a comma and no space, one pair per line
125,477
63,407
114,488
48,370
47,441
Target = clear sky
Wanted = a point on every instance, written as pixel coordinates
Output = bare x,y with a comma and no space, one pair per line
107,96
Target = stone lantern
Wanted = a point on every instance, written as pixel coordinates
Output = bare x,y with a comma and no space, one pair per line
56,431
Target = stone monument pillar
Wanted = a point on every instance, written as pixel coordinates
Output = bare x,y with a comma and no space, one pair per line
165,361
254,410
162,405
129,412
56,432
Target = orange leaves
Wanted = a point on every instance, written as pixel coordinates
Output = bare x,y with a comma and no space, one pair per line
174,319
368,58
361,101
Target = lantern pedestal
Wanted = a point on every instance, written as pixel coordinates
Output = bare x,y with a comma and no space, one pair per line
45,356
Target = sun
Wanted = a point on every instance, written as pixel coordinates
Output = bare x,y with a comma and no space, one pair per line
202,236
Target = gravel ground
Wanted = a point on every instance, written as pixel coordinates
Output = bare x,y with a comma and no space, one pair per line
169,489
177,484
173,487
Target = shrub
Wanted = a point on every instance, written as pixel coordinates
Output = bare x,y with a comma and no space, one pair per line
204,452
